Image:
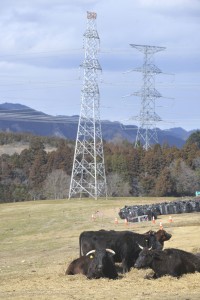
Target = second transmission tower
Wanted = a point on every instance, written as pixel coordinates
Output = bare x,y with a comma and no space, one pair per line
147,134
88,175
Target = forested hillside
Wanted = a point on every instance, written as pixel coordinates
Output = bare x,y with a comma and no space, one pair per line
35,173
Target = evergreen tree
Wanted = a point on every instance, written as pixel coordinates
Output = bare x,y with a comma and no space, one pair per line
165,185
194,138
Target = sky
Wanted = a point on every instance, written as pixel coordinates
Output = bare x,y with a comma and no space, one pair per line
41,49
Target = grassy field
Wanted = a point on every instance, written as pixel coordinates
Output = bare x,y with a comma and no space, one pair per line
39,239
18,147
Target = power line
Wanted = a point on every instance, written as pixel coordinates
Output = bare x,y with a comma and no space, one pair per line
104,50
27,54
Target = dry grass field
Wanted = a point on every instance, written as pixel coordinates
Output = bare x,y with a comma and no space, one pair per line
39,239
18,147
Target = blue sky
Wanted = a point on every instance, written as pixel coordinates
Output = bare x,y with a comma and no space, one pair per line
41,48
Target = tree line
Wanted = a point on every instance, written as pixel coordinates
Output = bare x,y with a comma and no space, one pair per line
37,174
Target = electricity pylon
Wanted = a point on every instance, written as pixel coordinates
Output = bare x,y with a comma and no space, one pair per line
147,118
88,173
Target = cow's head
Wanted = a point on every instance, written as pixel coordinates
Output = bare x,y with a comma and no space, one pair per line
162,236
153,241
145,258
99,260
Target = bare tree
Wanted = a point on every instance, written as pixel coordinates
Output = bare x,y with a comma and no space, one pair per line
56,186
186,180
196,163
116,186
36,194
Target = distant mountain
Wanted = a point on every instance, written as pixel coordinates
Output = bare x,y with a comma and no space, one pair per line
21,118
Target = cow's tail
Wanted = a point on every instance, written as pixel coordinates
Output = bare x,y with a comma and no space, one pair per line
80,245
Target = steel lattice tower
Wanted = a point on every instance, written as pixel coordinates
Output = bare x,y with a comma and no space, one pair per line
147,134
88,173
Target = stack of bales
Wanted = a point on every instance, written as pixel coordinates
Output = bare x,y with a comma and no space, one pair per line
131,213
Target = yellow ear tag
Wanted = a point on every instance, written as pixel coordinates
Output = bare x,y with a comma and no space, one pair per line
91,256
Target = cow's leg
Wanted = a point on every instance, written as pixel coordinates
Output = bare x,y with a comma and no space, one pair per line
125,266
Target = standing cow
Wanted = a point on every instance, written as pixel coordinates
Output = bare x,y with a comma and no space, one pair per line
123,243
174,262
95,264
161,235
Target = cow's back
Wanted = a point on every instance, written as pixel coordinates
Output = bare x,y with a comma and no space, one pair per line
124,243
189,260
78,266
90,240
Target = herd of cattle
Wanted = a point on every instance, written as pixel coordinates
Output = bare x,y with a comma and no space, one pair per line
100,250
132,213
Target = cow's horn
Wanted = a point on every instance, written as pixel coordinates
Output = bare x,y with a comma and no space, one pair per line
140,246
111,251
90,252
150,248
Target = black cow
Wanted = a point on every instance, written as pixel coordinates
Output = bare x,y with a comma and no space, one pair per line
174,262
161,235
123,243
95,264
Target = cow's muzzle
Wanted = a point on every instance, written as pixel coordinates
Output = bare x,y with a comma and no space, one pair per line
99,267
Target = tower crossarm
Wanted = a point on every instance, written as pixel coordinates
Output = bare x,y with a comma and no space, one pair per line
151,93
147,48
151,69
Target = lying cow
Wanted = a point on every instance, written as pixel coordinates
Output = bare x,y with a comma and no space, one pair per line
123,243
95,264
174,262
161,235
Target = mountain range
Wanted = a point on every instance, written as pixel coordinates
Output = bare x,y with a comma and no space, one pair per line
21,118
